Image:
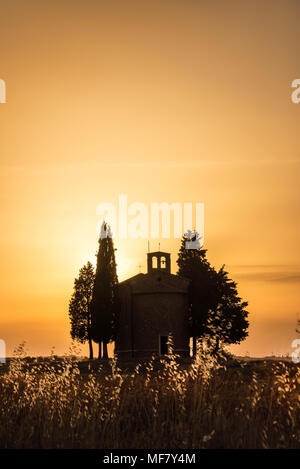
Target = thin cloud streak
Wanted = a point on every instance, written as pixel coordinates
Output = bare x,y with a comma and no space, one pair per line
280,277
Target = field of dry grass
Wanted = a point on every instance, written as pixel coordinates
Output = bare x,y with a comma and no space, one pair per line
212,403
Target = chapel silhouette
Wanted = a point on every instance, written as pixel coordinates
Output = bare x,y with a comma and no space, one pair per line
154,307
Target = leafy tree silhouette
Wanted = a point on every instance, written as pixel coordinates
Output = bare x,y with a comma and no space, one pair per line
105,300
79,306
215,309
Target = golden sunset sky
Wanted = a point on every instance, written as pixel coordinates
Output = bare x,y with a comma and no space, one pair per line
165,101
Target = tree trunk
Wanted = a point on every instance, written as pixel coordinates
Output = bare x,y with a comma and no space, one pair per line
105,354
99,353
194,346
91,349
89,330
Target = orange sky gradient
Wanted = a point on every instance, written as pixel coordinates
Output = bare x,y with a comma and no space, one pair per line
174,101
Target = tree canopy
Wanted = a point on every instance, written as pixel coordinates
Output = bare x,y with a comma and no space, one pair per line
79,306
215,309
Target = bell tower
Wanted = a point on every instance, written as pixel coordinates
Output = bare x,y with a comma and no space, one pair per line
159,261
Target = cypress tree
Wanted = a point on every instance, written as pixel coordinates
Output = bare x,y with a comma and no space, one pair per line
193,265
104,306
79,306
